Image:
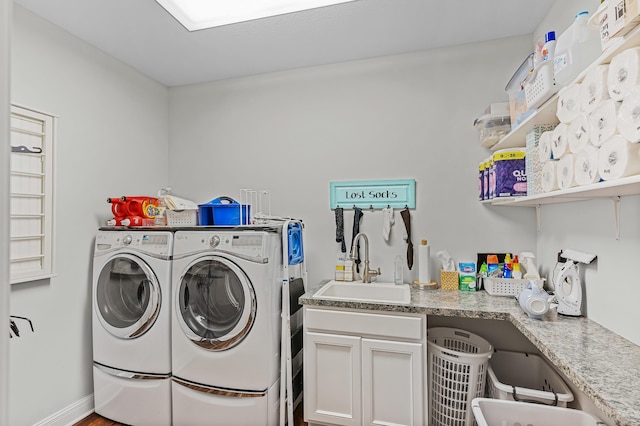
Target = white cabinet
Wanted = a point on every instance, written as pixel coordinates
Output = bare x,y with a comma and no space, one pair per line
364,368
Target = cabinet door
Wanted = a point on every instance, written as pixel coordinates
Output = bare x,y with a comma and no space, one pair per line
392,383
332,392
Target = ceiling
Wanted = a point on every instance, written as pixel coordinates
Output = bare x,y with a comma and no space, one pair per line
142,34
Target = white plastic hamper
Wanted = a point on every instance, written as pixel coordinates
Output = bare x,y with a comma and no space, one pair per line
525,377
491,412
457,371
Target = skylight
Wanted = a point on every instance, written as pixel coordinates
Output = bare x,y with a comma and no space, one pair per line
200,14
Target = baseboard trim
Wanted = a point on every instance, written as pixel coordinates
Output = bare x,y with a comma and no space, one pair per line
70,414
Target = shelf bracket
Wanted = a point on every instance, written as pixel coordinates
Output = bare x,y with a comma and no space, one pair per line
538,216
616,212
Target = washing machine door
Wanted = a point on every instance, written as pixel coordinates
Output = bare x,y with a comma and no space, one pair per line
127,296
215,303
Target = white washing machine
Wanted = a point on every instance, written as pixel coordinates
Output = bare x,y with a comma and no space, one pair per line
226,326
131,326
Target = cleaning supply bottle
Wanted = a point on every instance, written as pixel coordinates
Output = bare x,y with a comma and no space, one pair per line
549,47
340,272
508,266
516,273
348,270
398,270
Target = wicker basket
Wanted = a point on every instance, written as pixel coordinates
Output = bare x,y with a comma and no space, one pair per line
448,280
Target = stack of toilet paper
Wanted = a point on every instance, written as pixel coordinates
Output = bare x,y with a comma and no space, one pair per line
598,137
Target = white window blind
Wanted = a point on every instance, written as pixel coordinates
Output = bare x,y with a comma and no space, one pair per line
31,193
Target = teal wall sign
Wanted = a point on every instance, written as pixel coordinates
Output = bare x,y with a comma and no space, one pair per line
375,194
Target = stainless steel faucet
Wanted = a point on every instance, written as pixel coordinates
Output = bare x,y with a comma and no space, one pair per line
368,273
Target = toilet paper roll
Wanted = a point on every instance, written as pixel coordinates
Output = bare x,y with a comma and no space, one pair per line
564,171
578,133
618,158
603,122
624,73
593,89
568,103
629,116
544,146
424,254
549,180
559,141
585,167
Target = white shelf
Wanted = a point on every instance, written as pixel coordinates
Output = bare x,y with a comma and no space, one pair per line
546,113
606,189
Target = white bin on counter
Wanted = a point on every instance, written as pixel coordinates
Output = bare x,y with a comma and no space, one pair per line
521,376
492,412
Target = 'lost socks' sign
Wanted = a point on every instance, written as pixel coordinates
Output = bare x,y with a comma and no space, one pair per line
376,194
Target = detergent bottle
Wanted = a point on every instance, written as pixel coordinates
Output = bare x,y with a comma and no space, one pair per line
576,48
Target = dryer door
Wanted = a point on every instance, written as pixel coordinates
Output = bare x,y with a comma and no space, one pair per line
127,296
215,303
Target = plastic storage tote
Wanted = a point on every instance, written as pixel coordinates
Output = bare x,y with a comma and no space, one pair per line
457,370
492,412
223,211
525,377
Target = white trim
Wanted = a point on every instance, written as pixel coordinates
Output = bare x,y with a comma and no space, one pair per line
70,414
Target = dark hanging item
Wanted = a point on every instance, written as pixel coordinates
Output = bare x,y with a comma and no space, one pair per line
357,215
406,218
340,229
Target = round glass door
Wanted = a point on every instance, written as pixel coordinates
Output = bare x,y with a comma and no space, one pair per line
216,303
127,296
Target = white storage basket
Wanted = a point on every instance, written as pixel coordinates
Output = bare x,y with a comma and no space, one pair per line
456,374
540,86
177,218
520,376
491,412
506,286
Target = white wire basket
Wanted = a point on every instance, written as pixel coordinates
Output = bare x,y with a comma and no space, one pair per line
177,218
506,286
457,371
540,85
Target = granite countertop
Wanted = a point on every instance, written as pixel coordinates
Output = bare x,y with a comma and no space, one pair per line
599,362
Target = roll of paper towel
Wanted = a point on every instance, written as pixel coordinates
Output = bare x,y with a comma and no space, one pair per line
603,122
559,141
593,89
544,146
624,73
549,180
618,158
568,103
578,133
564,171
629,116
585,168
424,254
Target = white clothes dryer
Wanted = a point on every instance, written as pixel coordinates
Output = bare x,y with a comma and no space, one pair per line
226,326
131,315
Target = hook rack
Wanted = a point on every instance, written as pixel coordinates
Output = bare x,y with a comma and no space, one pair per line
13,327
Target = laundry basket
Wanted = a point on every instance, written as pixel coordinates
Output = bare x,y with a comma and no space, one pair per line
490,412
457,370
526,377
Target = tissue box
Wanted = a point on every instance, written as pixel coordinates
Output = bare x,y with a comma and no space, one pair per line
448,280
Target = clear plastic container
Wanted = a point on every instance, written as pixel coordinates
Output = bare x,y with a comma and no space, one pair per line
576,48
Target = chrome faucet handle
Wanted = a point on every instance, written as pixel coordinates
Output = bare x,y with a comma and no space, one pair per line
374,273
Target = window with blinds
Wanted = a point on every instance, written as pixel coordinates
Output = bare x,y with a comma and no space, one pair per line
31,195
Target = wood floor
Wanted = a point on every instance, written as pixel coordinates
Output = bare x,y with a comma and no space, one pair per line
96,420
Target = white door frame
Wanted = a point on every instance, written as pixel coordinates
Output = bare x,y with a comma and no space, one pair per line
6,19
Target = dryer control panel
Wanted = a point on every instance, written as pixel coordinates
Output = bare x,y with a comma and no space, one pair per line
248,245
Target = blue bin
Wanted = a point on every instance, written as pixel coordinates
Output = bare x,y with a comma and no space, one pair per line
223,211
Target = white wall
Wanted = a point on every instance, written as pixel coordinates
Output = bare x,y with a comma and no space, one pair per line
5,35
407,116
612,290
111,141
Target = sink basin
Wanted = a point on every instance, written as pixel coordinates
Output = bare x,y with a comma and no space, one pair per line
358,291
